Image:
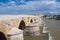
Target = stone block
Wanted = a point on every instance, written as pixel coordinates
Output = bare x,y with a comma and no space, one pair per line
15,34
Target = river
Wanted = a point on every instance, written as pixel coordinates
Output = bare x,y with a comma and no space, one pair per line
53,26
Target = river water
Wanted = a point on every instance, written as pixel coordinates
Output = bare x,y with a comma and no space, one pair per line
53,27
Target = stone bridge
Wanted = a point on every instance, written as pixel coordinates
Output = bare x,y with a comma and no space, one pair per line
23,22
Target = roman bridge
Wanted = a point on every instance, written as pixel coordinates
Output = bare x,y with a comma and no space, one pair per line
7,22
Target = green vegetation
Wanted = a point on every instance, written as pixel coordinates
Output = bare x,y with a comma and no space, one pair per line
57,17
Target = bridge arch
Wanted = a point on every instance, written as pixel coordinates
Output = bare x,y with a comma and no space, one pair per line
2,36
22,25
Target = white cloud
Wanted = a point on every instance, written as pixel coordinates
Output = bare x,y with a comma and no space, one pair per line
31,7
11,2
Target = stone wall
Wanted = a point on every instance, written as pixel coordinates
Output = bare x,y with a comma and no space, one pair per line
7,22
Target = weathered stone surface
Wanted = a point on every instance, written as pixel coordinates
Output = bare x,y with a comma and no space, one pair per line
33,31
16,37
15,34
7,22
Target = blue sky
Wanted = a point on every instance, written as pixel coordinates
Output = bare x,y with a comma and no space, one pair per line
29,6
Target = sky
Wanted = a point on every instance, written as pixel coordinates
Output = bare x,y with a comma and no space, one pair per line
29,7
